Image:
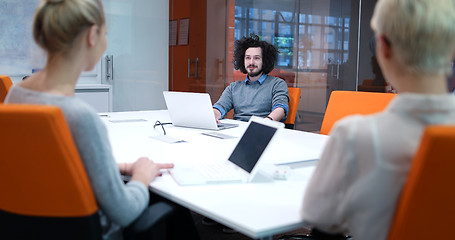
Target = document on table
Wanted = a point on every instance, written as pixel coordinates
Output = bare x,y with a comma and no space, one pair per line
167,139
127,120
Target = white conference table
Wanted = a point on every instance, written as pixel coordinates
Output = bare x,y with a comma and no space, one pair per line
258,210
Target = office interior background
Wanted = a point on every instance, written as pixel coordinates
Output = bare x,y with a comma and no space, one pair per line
324,46
187,45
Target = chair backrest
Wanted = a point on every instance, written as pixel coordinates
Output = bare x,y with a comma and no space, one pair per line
344,103
5,85
294,99
43,184
427,203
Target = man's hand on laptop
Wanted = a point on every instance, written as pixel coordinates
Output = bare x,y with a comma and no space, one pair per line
217,115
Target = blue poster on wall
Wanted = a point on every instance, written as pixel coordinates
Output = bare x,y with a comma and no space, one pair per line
18,52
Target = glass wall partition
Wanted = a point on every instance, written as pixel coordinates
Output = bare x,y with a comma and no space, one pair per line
324,45
318,44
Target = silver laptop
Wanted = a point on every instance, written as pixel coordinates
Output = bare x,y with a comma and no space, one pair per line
242,164
188,109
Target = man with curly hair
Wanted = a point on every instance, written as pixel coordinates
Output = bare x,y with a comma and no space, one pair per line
259,94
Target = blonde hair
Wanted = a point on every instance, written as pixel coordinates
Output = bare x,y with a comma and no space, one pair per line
57,23
421,32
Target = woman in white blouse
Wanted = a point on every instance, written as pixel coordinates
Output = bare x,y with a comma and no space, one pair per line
358,179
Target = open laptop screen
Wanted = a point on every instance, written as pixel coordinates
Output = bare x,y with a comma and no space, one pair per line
250,147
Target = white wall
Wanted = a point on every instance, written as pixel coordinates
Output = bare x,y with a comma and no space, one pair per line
138,36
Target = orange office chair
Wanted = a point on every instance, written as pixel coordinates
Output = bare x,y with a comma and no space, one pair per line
294,99
426,206
45,192
5,85
344,103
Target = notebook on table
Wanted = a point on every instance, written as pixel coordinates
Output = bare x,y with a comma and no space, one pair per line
187,109
240,167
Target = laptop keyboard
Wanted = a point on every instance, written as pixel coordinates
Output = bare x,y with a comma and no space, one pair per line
218,171
226,125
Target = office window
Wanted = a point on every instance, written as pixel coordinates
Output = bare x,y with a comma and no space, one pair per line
318,32
317,46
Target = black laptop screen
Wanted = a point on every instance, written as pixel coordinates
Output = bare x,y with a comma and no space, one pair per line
251,146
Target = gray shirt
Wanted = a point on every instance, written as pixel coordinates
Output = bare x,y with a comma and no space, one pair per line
120,204
257,98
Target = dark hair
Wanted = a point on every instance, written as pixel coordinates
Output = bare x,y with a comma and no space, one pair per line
269,53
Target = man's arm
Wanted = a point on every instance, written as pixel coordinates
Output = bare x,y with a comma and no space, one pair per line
224,103
277,114
280,101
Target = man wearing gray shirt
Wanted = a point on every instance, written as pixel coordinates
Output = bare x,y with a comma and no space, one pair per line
259,94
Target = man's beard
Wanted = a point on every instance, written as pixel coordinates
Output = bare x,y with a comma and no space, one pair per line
255,74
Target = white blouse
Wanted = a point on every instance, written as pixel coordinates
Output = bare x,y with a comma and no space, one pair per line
364,165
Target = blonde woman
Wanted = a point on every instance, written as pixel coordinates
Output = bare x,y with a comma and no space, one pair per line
73,33
358,179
